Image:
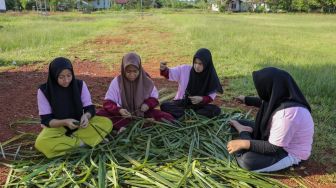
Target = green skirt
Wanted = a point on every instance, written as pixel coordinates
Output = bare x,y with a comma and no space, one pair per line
53,142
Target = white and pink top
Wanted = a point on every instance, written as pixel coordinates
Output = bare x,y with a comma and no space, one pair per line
44,105
293,129
113,92
180,74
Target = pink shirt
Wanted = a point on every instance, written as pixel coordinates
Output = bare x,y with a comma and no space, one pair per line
181,74
293,129
113,92
44,105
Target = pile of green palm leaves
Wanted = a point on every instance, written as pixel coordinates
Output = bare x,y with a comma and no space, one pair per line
188,153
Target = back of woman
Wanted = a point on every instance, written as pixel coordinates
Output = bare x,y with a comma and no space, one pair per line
282,134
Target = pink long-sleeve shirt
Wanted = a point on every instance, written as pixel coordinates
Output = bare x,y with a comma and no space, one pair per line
180,74
44,105
293,129
113,92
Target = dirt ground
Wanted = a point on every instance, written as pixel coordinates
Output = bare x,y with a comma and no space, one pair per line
18,88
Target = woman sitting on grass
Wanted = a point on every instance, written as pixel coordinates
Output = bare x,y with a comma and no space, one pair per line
132,94
282,134
197,88
67,113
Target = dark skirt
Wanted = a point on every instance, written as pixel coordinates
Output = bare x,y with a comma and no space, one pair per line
177,109
252,160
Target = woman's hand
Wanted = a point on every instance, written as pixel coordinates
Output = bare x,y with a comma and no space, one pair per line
236,145
163,65
84,122
239,127
123,112
240,98
144,107
43,126
196,99
71,123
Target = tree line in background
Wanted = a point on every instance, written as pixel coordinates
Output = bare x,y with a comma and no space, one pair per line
325,6
303,5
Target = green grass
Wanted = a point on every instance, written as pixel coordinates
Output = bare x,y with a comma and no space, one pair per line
34,38
303,44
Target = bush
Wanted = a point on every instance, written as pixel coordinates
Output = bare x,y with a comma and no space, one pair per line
13,5
300,6
202,5
260,9
118,7
30,5
87,9
158,4
222,8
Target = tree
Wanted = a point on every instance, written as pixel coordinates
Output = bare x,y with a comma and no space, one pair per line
53,4
300,5
12,4
24,3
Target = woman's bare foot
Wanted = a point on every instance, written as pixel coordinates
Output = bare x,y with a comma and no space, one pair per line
239,127
240,98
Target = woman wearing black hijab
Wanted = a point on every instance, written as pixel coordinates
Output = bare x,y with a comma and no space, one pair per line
198,85
282,133
67,113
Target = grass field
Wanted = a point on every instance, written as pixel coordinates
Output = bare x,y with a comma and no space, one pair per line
302,44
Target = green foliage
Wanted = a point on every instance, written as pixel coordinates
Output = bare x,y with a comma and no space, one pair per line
202,4
24,3
136,4
30,4
118,7
314,5
189,153
302,5
53,4
222,8
13,4
223,5
260,9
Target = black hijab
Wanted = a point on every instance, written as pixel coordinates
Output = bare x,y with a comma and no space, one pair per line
64,102
277,90
207,81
